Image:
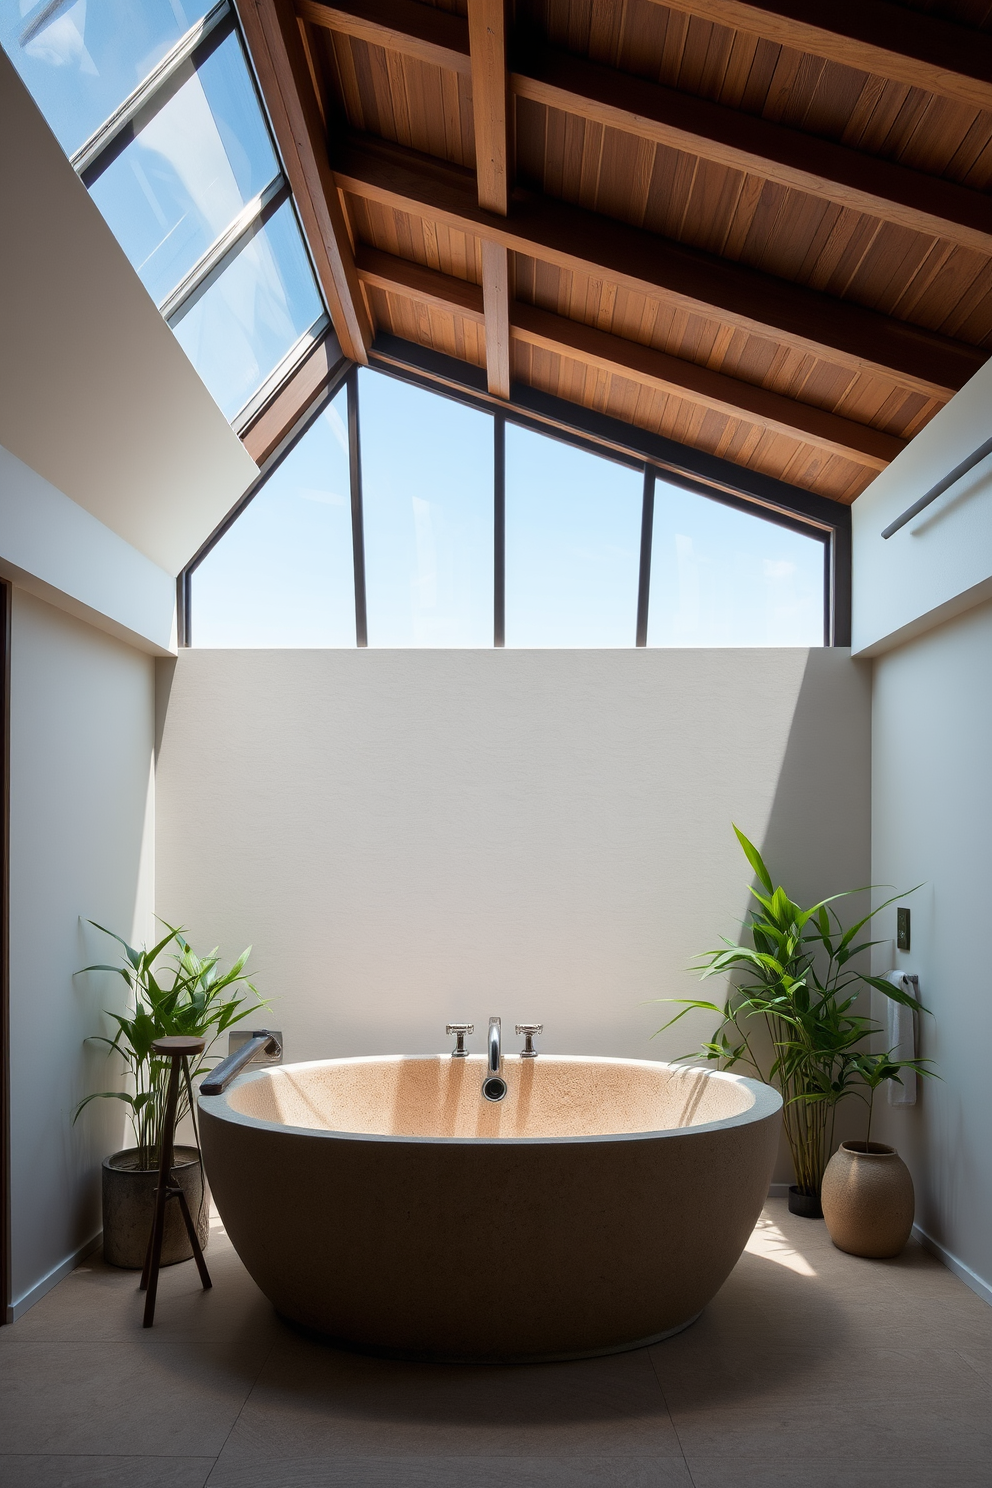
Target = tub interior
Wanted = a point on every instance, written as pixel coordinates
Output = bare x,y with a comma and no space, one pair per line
441,1097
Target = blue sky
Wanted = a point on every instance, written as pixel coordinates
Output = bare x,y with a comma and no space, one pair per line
283,575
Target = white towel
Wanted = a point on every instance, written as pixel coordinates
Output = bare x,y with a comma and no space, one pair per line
902,1037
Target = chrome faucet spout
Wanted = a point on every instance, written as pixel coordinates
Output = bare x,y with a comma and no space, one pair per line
495,1049
494,1086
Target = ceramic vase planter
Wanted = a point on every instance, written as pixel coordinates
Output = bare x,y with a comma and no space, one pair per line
129,1202
868,1200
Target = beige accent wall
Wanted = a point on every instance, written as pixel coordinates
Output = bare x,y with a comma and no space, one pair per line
414,837
81,846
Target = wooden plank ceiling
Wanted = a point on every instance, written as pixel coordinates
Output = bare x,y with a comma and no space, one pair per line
762,230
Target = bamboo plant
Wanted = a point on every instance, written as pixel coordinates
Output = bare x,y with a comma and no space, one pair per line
798,981
182,994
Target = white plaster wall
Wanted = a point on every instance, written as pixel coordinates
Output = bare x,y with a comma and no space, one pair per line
64,555
412,837
81,846
940,563
932,824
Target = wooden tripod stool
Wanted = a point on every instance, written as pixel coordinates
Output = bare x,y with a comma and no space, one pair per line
178,1050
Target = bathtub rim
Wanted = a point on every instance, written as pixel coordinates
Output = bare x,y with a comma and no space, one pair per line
767,1102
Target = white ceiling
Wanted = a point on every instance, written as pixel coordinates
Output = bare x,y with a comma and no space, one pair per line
96,394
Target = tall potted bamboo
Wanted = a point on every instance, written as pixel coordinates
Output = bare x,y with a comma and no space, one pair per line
171,991
797,982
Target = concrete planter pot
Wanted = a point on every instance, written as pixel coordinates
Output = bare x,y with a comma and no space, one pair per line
804,1204
129,1200
868,1200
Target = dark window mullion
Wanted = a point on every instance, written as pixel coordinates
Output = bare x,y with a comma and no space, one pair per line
644,575
357,520
499,530
151,96
253,217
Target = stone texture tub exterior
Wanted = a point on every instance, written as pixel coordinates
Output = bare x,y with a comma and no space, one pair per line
383,1203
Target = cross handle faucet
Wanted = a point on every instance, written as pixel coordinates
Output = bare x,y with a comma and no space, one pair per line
529,1030
459,1030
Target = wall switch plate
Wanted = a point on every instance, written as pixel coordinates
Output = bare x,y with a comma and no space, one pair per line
902,929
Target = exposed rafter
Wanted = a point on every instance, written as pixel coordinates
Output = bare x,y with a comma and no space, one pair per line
586,243
789,157
890,41
487,50
533,326
435,36
496,296
771,151
276,47
811,385
493,154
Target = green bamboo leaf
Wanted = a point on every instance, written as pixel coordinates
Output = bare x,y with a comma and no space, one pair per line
755,859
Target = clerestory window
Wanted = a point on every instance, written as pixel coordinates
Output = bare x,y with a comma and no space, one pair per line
402,517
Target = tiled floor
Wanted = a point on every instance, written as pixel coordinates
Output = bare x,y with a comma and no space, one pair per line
811,1369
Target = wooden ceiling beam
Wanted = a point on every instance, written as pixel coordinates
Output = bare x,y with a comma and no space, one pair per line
493,155
496,295
272,33
680,121
743,142
585,243
415,281
875,36
435,36
687,381
490,100
702,386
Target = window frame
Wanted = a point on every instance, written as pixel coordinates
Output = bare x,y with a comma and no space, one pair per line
657,458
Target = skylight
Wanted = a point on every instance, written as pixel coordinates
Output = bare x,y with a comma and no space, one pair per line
158,110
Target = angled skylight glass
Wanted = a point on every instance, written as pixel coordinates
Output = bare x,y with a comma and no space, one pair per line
244,322
573,524
156,105
721,577
188,171
80,59
427,491
283,573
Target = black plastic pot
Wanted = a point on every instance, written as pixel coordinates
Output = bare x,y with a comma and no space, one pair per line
808,1205
129,1200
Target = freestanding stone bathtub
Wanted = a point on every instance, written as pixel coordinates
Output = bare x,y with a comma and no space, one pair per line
384,1203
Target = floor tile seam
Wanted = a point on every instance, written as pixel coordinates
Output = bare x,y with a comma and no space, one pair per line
394,1457
984,1374
678,1438
117,1456
863,1353
237,1418
683,1415
605,1454
896,1393
744,1458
